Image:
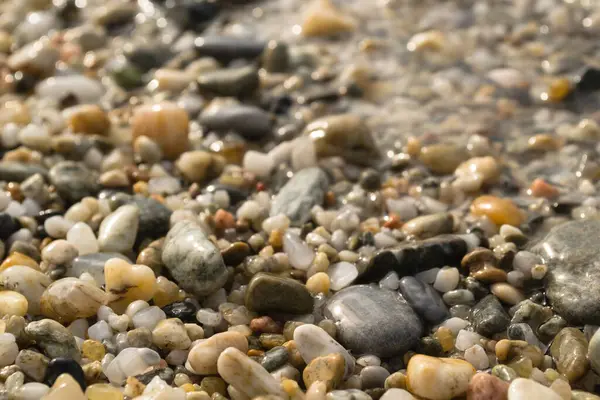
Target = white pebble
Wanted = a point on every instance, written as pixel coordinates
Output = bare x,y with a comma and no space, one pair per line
446,279
338,239
100,331
136,306
260,164
405,208
148,317
314,239
8,349
346,220
391,281
455,324
527,389
300,255
515,278
130,362
15,209
281,222
539,271
383,240
5,199
82,237
477,357
341,275
249,211
466,339
31,391
221,199
164,185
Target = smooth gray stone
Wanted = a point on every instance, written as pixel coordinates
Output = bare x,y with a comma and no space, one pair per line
375,321
18,172
300,194
193,260
424,299
93,264
73,181
230,82
571,252
249,121
488,316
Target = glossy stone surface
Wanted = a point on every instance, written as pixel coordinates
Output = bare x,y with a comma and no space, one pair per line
424,299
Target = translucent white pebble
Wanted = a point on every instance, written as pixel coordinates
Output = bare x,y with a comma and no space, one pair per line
130,362
300,255
82,237
100,331
148,317
208,317
446,279
8,349
341,275
466,339
260,164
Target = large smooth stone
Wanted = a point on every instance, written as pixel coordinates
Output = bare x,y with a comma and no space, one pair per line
371,320
93,264
569,351
424,299
300,194
27,281
571,252
73,181
193,260
270,293
17,172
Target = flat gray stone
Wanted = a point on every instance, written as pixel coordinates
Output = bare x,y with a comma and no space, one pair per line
193,260
18,172
375,321
249,121
73,181
300,194
572,254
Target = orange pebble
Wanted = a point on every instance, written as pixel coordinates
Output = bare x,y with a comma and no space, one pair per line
500,211
224,219
541,188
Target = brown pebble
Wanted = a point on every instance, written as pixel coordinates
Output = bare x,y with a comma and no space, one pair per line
265,324
487,387
498,210
89,119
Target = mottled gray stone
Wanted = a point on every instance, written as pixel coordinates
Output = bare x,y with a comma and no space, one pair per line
488,316
93,264
424,300
193,260
18,172
53,338
300,194
154,217
73,181
375,321
531,313
249,121
572,254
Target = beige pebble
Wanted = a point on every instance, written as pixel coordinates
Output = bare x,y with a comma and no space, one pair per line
12,303
318,283
126,283
438,378
69,299
147,149
114,178
89,119
203,357
507,293
198,166
65,387
166,124
17,258
328,369
103,391
323,18
27,281
170,334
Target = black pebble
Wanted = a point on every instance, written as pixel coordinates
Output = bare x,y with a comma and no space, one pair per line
589,81
43,215
8,225
185,311
59,366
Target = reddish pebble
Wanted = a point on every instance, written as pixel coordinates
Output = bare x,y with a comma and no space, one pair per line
487,387
541,188
224,219
260,186
265,325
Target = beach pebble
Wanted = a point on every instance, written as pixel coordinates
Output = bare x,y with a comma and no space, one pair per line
438,378
203,356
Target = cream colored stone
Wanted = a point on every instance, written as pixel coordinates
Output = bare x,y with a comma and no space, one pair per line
438,378
203,357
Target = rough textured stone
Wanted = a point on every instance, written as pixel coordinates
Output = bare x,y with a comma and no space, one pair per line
193,260
53,338
488,316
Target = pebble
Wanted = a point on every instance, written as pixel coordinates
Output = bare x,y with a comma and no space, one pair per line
499,210
31,391
483,386
193,260
68,299
229,82
8,349
427,226
65,387
199,166
373,376
300,194
569,352
170,334
507,293
270,293
103,391
84,89
148,317
88,119
118,230
396,394
521,389
12,303
203,356
54,339
300,255
593,352
312,342
323,18
59,366
424,300
228,48
32,363
446,279
166,124
26,281
488,317
73,181
328,369
438,378
341,275
477,356
125,283
362,314
130,362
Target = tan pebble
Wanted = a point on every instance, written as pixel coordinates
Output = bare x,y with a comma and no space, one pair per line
93,350
92,371
165,123
171,79
318,283
14,111
328,369
507,293
203,356
428,40
17,258
543,142
103,391
12,303
558,89
294,355
167,292
69,299
397,380
89,119
489,274
133,387
170,334
198,166
147,149
114,178
438,378
194,331
562,388
323,18
487,387
500,211
65,387
442,158
126,283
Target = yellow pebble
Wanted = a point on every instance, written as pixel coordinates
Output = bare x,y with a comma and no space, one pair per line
558,89
318,283
127,283
167,292
12,303
141,187
93,350
17,258
188,387
103,391
500,211
329,369
444,336
89,119
65,387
